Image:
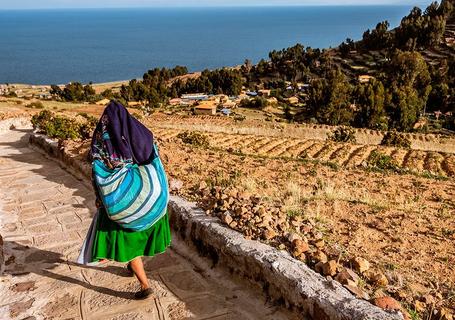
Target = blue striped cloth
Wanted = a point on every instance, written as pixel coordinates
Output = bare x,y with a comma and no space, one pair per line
134,196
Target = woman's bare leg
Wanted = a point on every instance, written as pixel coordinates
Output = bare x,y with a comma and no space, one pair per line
138,268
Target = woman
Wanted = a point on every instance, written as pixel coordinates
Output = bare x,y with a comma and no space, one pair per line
122,144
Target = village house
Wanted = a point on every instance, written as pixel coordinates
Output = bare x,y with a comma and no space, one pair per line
194,96
135,104
102,102
365,78
272,100
265,92
175,101
229,104
205,108
293,100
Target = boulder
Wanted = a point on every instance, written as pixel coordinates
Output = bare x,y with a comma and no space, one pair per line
360,264
347,276
330,268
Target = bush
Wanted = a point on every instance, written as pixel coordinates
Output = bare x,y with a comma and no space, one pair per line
343,134
382,161
35,105
39,120
255,103
395,139
138,116
194,138
64,128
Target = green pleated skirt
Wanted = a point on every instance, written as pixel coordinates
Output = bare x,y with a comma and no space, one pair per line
112,242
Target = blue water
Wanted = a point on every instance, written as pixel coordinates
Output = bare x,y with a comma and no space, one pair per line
58,46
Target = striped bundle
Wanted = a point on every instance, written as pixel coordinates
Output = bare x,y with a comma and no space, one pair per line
134,196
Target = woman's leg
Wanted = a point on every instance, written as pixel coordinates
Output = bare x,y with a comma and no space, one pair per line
138,268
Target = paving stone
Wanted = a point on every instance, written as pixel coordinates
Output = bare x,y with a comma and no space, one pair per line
52,239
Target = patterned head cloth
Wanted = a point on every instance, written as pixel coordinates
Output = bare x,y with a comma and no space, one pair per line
119,138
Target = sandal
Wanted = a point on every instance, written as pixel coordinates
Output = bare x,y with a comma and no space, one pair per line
143,294
130,270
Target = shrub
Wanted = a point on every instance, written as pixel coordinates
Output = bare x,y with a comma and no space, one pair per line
35,105
39,120
194,138
136,115
86,129
396,139
382,161
343,134
255,103
63,128
239,117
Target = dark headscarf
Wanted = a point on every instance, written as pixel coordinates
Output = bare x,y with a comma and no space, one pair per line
120,138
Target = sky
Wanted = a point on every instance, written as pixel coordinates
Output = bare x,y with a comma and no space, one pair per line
48,4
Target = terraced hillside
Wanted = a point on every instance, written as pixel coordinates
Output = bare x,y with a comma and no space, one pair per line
341,154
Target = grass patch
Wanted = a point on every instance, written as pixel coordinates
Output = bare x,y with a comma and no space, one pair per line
194,138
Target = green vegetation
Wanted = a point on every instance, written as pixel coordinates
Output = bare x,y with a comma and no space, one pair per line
343,134
396,139
381,161
194,138
63,128
74,92
221,81
35,105
255,103
153,89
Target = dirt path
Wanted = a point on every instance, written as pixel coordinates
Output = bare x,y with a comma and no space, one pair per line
44,215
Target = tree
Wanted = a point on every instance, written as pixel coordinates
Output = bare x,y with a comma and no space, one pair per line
370,99
329,99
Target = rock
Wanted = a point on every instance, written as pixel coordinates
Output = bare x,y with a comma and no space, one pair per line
202,185
330,268
379,279
23,286
318,267
419,306
175,184
269,234
319,244
299,247
319,256
359,293
387,303
233,225
293,236
347,275
226,218
305,229
360,264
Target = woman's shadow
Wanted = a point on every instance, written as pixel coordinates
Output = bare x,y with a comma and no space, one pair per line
23,260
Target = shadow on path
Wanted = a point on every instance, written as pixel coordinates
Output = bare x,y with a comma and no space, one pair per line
25,260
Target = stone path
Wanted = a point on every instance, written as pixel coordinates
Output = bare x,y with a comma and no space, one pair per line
44,215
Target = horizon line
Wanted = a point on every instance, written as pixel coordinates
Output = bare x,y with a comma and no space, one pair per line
213,6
